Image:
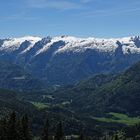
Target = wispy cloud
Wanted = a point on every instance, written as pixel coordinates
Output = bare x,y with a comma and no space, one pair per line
20,16
55,4
85,1
111,12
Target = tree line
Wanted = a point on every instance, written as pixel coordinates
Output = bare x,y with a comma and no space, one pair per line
14,128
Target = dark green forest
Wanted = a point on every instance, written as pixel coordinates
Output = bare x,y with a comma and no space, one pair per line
102,107
13,127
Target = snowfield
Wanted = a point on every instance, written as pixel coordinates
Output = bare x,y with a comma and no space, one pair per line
73,44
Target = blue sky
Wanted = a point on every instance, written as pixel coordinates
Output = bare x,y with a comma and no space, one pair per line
81,18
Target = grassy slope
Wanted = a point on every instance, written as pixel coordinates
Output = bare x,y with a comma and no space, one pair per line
119,118
39,105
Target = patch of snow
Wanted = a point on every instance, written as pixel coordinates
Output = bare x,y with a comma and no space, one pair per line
20,78
13,44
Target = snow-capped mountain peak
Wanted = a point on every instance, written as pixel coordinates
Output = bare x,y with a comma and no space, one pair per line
74,44
13,44
67,59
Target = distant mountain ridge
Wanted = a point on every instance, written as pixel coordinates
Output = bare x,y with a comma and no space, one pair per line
65,60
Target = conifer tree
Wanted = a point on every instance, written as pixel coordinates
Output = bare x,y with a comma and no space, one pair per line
59,132
121,135
19,130
115,137
81,136
24,132
45,133
3,129
11,127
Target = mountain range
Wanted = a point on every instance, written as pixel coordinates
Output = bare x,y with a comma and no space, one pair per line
65,60
98,81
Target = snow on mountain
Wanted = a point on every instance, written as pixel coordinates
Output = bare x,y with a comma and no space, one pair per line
67,59
13,44
103,45
73,44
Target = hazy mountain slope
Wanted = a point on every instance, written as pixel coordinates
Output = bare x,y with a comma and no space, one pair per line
65,60
102,94
14,77
9,101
